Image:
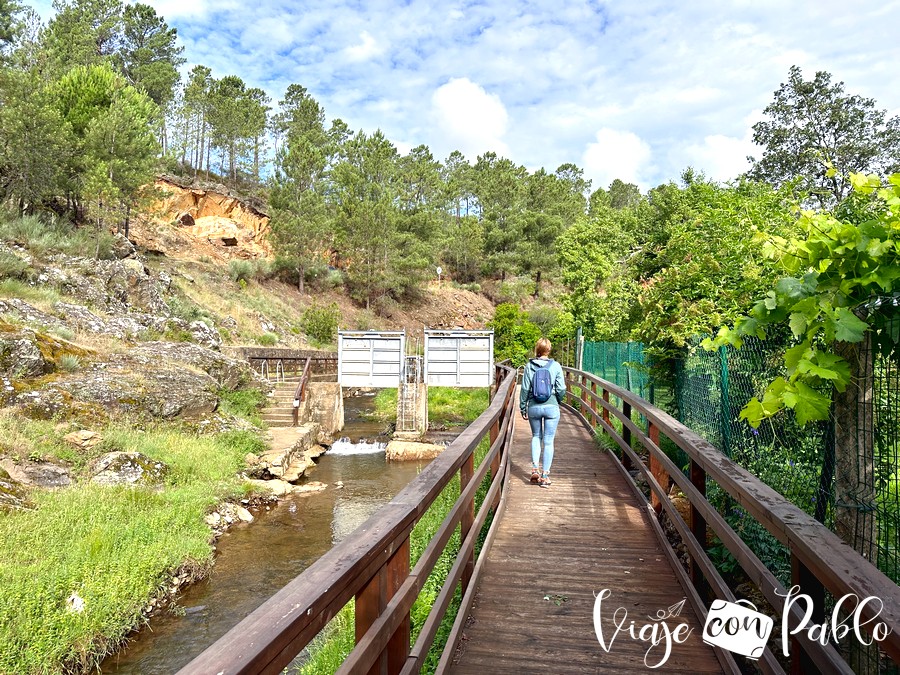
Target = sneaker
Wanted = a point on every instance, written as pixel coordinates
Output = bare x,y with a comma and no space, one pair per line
545,480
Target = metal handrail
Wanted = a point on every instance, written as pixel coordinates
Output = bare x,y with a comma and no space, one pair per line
300,391
373,566
820,561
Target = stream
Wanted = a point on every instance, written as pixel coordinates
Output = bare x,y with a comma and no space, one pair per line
255,560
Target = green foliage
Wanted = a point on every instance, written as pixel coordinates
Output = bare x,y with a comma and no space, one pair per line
244,403
45,235
268,339
514,335
68,363
817,135
12,266
75,542
450,406
241,270
321,323
835,269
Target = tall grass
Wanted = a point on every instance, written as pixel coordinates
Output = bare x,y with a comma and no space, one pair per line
43,235
447,406
113,547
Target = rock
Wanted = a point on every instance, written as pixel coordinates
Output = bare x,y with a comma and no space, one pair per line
279,488
114,286
13,496
185,220
157,388
121,327
313,486
20,354
128,468
228,373
250,459
75,603
84,439
122,247
213,519
38,474
244,515
205,335
411,450
25,313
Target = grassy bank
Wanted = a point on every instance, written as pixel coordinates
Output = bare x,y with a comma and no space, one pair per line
447,406
333,645
112,547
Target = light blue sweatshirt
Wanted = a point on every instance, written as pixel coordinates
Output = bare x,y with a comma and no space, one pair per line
556,374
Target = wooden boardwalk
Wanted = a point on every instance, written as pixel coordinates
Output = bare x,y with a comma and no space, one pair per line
554,550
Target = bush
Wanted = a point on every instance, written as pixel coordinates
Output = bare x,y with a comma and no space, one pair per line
514,335
321,323
241,270
268,339
12,266
68,363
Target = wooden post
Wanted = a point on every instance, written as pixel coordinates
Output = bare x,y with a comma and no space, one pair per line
593,404
466,471
657,470
801,576
495,463
605,411
626,435
698,522
370,603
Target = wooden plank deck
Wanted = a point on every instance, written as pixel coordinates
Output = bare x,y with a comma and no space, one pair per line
584,534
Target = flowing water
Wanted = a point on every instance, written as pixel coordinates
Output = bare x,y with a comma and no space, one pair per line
255,560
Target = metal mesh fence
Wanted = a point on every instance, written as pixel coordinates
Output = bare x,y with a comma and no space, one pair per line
853,488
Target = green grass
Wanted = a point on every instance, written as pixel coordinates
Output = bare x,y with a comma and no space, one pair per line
13,288
42,235
332,646
114,547
243,403
447,406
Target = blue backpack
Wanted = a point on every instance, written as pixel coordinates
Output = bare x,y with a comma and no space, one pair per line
542,383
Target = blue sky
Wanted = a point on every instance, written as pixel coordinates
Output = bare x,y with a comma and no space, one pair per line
637,90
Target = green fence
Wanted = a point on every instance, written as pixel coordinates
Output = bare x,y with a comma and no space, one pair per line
709,389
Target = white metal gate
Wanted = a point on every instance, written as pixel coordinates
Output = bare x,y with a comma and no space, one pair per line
459,358
370,358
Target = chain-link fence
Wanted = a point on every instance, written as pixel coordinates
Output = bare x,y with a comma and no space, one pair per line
855,490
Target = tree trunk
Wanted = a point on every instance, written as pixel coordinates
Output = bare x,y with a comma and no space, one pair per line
127,219
537,283
854,483
99,228
301,286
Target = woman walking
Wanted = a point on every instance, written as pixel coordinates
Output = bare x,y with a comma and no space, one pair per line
543,389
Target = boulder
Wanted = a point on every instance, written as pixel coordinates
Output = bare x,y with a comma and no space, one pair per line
279,488
20,354
115,286
128,468
83,439
122,246
121,327
228,373
126,385
25,313
13,496
37,474
312,486
410,450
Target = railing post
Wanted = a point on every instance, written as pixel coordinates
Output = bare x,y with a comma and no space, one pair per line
584,395
370,603
657,470
698,522
605,409
626,435
593,404
801,576
466,471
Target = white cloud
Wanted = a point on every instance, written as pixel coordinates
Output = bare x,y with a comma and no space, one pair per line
365,50
177,9
719,157
617,154
470,119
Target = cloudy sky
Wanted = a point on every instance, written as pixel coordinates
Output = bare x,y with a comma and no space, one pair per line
634,89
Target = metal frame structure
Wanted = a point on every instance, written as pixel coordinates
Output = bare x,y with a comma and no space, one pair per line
370,358
459,358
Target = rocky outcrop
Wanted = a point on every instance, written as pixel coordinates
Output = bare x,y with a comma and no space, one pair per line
25,352
13,496
202,216
228,373
128,468
37,474
292,452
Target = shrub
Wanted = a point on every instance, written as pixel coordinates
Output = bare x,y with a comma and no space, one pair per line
62,332
321,323
268,339
12,266
241,270
68,363
42,236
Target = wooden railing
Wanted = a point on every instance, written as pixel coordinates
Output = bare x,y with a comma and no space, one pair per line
820,561
289,366
373,566
301,390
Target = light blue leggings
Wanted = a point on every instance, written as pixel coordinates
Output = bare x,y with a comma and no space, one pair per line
543,418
